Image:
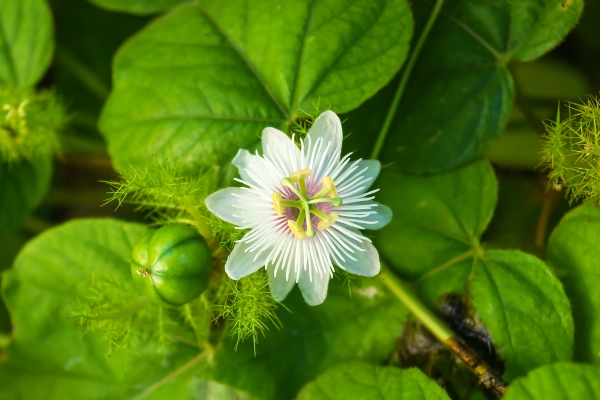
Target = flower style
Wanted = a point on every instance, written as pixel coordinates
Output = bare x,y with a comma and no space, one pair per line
305,207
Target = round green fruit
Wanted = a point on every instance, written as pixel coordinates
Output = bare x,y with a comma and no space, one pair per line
171,265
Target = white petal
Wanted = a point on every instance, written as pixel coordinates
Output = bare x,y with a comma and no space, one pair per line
241,262
242,161
314,292
221,204
381,219
280,149
367,262
329,128
280,287
373,167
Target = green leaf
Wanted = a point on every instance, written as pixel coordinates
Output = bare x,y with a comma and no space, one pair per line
461,91
26,44
205,79
434,241
23,185
573,251
520,302
561,381
437,217
364,327
141,7
50,357
362,382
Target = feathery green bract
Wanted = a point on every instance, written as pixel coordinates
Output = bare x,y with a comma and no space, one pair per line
250,307
160,191
124,319
571,151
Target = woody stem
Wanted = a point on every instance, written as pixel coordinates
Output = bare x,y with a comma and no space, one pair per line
487,376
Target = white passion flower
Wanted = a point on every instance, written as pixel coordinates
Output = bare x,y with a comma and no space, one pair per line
305,208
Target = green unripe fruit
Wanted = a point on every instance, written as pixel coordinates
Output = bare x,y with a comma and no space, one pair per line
171,265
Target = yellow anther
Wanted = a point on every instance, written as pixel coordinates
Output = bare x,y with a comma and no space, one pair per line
326,223
301,174
298,232
276,199
328,183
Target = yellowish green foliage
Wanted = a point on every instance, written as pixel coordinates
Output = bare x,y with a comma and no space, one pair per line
29,123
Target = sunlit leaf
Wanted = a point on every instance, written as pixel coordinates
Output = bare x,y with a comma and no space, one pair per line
204,80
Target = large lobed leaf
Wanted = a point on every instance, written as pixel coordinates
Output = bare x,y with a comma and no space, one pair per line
461,89
436,231
204,80
359,381
50,357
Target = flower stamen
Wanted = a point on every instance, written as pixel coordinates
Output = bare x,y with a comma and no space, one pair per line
328,188
304,203
299,177
276,199
299,233
326,223
336,201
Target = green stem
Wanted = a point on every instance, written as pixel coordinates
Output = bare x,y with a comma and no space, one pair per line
83,73
404,80
522,102
431,322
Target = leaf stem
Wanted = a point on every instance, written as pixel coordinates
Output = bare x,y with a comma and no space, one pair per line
404,80
86,76
418,309
523,104
487,376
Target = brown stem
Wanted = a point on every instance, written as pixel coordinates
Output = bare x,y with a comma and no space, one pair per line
487,376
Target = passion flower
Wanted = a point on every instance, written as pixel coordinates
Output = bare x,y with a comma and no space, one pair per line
171,265
306,209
